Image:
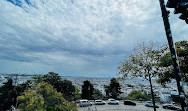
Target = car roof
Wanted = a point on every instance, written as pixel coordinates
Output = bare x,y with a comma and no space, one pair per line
84,100
168,104
127,100
98,100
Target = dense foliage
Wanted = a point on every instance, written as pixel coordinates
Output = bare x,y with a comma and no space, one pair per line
9,93
44,98
137,94
87,90
166,62
64,86
97,94
114,89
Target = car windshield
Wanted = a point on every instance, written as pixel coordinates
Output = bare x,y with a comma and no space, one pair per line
98,101
127,101
84,101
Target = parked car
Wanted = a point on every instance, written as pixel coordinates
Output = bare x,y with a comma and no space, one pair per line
99,102
170,106
150,104
129,102
113,101
85,102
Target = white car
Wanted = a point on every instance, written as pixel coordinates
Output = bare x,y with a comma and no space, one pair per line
85,102
150,104
113,101
99,102
170,106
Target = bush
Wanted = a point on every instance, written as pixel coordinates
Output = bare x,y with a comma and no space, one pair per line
137,94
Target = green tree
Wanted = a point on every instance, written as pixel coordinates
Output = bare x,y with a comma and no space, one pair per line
166,63
114,89
45,97
67,89
64,86
77,94
143,62
8,95
137,94
87,90
52,78
31,101
97,94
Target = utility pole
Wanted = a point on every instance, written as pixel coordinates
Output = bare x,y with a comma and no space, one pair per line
165,15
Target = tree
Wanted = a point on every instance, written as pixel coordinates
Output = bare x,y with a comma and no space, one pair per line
31,101
52,78
67,89
9,93
64,86
87,90
137,94
143,62
77,94
166,62
45,98
114,89
97,94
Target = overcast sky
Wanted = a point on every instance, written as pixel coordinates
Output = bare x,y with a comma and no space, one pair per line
78,37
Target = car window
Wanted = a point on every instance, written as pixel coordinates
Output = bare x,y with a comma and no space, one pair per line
98,101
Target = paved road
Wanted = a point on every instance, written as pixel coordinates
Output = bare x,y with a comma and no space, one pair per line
120,107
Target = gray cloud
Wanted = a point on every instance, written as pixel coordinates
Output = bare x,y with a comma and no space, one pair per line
76,37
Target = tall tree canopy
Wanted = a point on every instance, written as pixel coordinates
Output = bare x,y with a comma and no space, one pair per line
143,62
166,62
114,89
9,93
87,90
64,86
31,101
97,94
44,98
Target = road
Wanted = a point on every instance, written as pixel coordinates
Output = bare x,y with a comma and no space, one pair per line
120,107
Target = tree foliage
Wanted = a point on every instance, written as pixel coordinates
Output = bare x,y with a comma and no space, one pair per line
64,86
87,90
31,101
137,94
44,98
97,94
77,94
114,89
9,93
166,62
143,62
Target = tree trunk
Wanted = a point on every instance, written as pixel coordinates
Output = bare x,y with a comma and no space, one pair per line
153,99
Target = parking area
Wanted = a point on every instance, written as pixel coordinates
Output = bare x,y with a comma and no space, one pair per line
120,107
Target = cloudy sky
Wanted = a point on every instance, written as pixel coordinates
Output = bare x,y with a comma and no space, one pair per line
78,37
